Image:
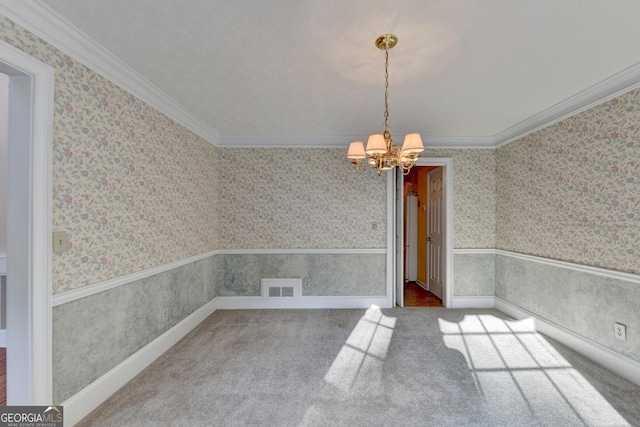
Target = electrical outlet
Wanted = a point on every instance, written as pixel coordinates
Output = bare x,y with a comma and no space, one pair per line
165,314
620,331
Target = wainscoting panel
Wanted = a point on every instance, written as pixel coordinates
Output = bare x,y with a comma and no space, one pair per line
89,398
615,362
474,273
322,274
585,302
94,334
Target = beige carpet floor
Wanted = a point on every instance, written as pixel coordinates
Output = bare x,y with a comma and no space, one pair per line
390,367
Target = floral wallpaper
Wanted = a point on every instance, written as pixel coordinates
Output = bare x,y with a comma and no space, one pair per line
474,196
302,198
571,191
133,188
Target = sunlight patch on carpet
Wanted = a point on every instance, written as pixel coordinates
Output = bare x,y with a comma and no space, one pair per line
360,361
517,370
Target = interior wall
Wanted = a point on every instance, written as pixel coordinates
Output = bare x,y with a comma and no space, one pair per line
474,197
94,334
133,188
299,198
584,303
322,274
571,191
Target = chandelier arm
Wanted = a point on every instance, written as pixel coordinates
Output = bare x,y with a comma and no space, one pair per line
379,162
407,165
366,167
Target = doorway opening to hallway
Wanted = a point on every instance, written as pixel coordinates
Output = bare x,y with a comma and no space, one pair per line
423,235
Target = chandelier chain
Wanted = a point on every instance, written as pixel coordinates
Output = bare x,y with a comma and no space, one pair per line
386,89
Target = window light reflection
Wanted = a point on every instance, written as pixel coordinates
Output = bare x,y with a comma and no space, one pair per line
360,361
518,371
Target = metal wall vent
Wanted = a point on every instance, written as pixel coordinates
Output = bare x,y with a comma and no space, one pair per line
281,288
287,291
282,292
274,291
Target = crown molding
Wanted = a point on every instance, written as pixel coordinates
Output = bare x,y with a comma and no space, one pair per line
44,22
609,88
310,141
616,85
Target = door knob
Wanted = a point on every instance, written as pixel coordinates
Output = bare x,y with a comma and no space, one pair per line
428,239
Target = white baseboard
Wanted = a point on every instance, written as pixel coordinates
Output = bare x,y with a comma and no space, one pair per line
3,338
615,362
473,302
235,303
82,403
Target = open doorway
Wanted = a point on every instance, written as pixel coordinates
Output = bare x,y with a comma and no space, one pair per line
28,285
419,216
424,223
4,180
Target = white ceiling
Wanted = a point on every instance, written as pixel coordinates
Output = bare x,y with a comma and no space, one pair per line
307,71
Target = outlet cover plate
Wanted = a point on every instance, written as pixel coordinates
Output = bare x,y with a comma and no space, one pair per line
620,331
59,241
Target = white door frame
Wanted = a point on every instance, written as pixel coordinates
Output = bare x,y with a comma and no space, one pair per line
398,298
392,265
391,240
29,340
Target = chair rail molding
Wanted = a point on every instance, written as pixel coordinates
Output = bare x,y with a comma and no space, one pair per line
85,291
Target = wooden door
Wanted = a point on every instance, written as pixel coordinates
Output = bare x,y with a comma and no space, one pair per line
435,231
422,225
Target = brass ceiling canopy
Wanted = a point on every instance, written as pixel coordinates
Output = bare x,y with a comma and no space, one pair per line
386,41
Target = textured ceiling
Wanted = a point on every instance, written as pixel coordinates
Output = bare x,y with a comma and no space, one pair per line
309,69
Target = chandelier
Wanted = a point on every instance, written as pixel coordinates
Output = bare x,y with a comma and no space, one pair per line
381,152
